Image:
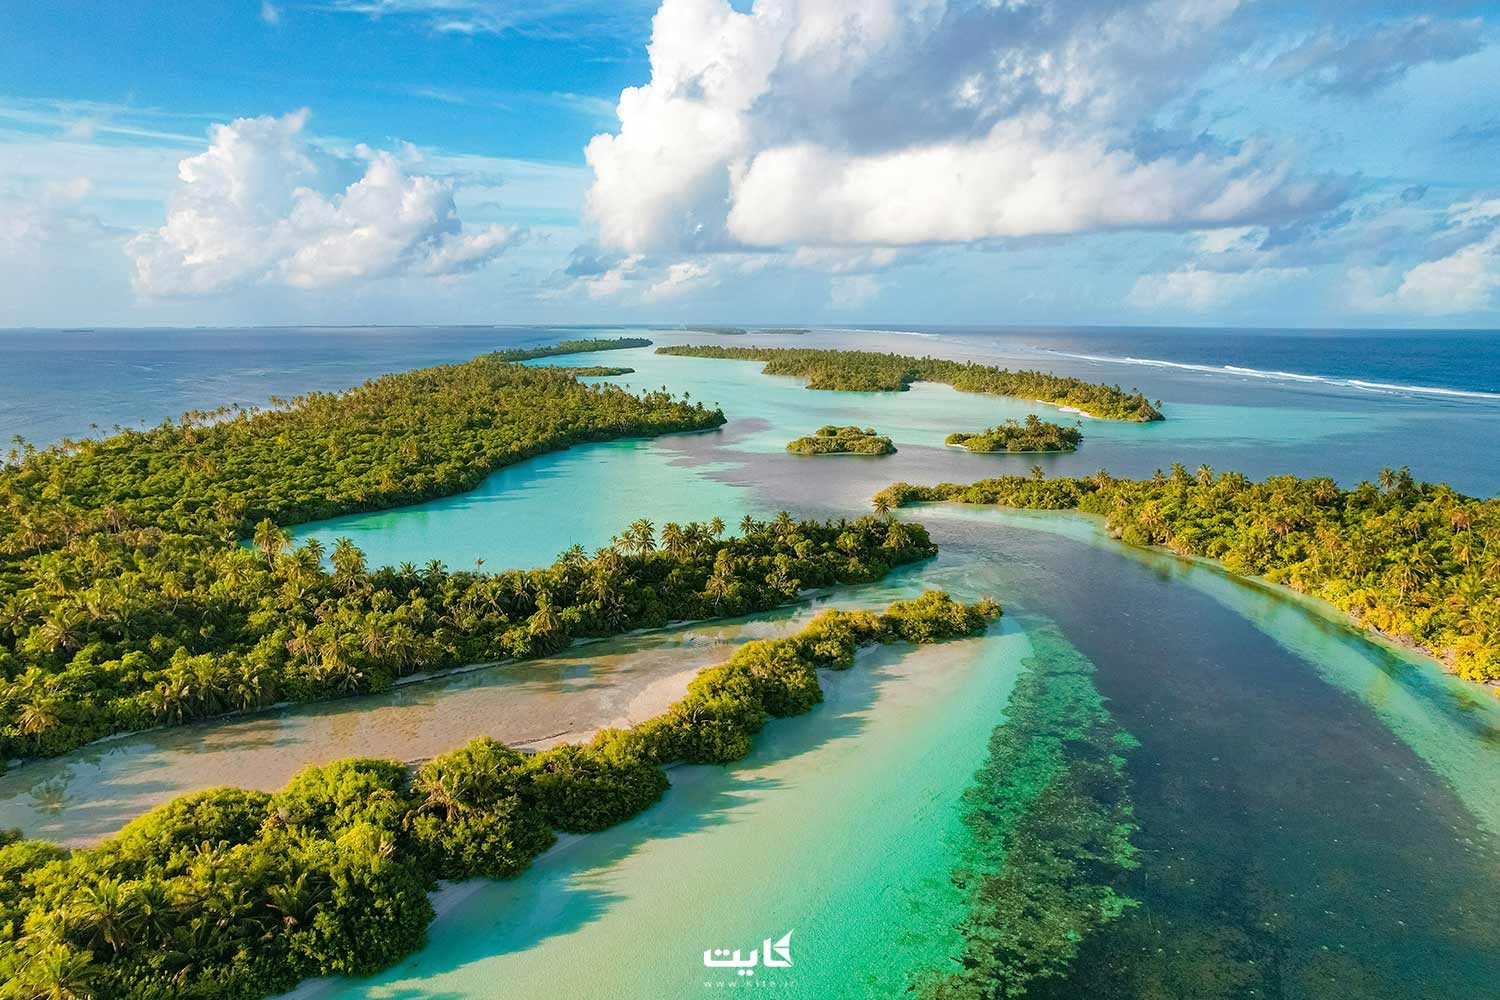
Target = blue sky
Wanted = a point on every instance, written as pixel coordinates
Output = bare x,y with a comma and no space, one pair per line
1208,162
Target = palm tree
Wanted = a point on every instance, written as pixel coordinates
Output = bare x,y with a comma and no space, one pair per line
544,623
715,526
1205,476
721,583
63,629
57,972
747,525
640,537
1037,473
39,716
349,573
882,504
270,539
101,909
296,902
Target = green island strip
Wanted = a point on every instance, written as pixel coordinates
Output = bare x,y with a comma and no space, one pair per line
231,893
1049,822
833,440
127,600
564,347
595,371
1417,562
870,371
740,331
181,629
1035,434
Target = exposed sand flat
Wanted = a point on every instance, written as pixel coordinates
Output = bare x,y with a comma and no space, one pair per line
80,798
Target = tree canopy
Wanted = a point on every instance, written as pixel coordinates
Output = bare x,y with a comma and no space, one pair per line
870,371
127,600
1035,434
1416,561
229,893
833,440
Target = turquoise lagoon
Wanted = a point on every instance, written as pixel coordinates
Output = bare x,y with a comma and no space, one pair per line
1317,809
523,516
1291,840
840,828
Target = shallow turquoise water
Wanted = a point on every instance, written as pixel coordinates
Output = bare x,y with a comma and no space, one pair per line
1453,724
526,515
1317,808
523,516
840,828
1262,789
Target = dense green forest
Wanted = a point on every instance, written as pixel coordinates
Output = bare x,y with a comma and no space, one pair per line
740,331
1050,818
138,628
1419,562
833,440
564,347
231,893
126,600
1035,434
869,371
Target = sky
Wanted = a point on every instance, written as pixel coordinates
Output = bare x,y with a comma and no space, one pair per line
1119,162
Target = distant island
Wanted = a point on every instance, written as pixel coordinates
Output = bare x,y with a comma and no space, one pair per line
869,371
740,331
595,371
832,440
1035,434
569,347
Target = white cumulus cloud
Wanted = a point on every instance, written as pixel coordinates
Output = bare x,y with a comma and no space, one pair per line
1467,280
844,123
264,205
1192,289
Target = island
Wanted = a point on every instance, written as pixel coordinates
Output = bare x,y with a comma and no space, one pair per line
1417,562
231,892
740,331
1035,434
833,440
870,371
168,616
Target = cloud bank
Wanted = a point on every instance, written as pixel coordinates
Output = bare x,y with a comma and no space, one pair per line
1465,280
265,206
844,123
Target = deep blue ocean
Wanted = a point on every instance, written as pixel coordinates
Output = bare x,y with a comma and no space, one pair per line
1430,399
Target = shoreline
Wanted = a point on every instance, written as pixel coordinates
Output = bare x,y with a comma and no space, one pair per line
17,763
1055,451
1321,606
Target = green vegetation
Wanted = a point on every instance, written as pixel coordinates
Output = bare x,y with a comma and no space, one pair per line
233,893
166,628
832,440
126,600
595,371
1035,434
1418,562
868,371
569,347
740,331
1050,823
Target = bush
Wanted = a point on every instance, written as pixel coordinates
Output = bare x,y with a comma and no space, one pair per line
584,789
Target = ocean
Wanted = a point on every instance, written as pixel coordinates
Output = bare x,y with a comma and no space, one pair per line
1318,810
1338,402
